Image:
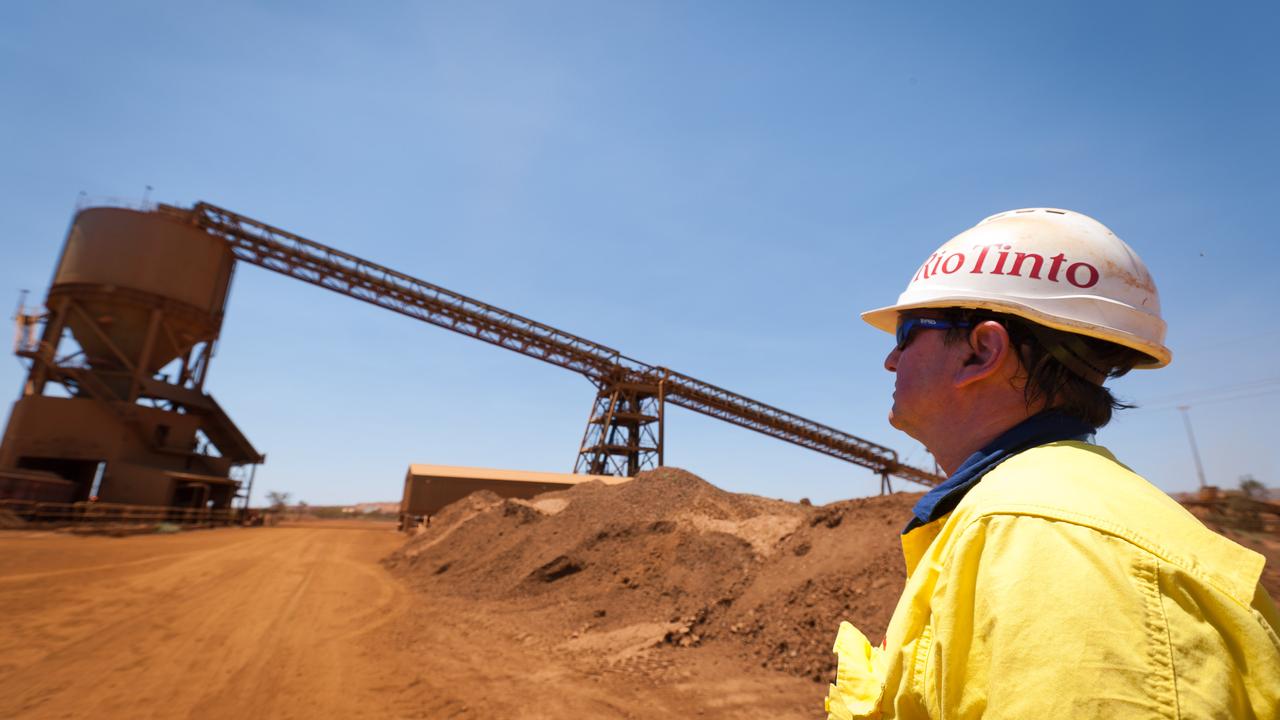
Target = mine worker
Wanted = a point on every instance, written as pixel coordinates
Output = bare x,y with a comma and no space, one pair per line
1046,579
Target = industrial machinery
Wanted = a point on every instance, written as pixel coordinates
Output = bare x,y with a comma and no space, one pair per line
113,406
142,292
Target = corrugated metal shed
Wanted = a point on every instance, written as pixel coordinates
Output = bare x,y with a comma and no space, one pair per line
428,488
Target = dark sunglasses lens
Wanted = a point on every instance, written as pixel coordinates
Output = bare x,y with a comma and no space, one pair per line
904,332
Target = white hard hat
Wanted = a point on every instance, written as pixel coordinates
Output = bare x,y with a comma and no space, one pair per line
1053,267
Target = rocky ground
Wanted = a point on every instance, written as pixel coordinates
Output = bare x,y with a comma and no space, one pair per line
662,597
671,559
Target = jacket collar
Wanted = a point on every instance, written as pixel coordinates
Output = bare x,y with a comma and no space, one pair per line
1044,427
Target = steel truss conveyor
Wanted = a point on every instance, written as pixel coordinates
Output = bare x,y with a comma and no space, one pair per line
624,432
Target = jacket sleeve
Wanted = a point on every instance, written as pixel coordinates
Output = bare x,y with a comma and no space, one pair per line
1225,650
1041,618
859,684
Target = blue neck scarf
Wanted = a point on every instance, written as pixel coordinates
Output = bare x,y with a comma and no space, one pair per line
1044,427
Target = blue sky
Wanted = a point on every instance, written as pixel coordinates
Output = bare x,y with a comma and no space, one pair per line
714,187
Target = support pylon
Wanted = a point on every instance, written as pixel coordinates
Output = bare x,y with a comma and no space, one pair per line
621,437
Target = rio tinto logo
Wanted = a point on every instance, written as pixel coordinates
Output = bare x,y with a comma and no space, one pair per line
998,260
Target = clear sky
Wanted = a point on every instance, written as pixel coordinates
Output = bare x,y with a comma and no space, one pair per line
716,187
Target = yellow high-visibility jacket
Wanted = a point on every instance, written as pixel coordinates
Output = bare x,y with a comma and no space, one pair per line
1065,586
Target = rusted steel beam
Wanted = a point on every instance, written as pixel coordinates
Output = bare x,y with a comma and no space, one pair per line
278,250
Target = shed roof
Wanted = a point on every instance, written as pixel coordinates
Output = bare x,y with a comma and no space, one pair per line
479,473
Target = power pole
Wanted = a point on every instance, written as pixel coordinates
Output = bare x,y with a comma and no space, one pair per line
1191,436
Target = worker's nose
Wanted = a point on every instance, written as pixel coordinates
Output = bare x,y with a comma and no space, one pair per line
891,360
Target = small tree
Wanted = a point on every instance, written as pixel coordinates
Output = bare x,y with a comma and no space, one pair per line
1250,487
278,499
1243,508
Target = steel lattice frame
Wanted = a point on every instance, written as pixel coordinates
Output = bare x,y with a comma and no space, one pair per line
620,438
260,244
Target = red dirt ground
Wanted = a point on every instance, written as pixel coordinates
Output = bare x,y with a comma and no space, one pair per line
664,597
670,559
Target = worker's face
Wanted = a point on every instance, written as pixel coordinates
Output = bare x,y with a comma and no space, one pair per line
923,368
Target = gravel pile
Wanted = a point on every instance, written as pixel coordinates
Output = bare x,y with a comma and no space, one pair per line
671,559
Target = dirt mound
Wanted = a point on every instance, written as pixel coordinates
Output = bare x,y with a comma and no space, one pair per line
843,563
671,559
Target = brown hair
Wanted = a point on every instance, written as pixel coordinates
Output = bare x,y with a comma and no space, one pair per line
1066,370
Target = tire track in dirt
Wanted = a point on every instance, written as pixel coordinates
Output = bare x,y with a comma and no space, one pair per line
256,627
108,567
91,612
303,622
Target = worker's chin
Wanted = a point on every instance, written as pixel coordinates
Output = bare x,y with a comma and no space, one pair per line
900,423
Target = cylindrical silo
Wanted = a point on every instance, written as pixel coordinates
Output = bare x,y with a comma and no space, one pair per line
145,287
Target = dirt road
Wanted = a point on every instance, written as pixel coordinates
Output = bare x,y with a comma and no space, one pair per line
217,623
302,622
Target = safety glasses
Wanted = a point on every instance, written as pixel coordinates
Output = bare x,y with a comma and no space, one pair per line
907,325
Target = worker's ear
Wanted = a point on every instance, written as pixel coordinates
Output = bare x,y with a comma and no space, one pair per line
986,355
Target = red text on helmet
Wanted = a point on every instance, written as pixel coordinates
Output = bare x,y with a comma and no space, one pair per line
1016,264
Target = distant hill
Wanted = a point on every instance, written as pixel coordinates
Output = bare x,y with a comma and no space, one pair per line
390,508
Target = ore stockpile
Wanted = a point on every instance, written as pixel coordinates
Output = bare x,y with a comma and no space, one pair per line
666,562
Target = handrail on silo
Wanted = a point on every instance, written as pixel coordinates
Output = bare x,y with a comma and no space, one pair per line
85,201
